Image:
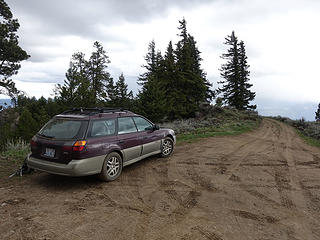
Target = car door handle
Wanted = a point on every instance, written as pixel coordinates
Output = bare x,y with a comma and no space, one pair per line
120,141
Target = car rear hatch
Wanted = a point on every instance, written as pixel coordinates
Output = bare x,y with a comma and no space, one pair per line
60,140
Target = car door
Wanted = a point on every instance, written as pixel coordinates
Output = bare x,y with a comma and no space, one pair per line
151,139
129,139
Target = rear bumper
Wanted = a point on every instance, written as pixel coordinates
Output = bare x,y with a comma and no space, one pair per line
83,167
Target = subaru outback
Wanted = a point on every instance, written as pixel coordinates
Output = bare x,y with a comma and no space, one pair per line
101,141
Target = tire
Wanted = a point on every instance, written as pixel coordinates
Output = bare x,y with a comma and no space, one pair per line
112,167
166,147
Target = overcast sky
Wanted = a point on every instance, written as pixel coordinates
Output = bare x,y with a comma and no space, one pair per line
282,41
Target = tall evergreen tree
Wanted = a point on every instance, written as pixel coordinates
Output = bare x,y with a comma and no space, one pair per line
192,83
123,97
98,75
230,72
27,126
246,96
235,86
171,84
11,54
88,82
111,90
151,98
317,117
150,65
75,90
196,68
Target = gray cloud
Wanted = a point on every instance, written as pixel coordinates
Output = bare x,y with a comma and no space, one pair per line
82,17
52,30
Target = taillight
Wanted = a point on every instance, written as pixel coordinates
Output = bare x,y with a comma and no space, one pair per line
33,142
78,146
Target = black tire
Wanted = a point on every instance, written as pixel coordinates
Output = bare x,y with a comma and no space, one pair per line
166,147
112,167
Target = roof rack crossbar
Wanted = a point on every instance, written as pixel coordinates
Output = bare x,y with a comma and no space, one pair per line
91,111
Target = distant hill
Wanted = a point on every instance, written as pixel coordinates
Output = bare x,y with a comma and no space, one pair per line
5,102
293,110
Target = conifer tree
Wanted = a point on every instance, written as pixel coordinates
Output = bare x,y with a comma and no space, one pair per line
235,86
318,114
171,84
193,85
27,126
98,75
246,96
123,97
11,54
151,98
111,90
150,65
75,90
88,82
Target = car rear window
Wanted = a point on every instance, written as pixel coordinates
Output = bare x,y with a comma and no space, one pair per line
64,129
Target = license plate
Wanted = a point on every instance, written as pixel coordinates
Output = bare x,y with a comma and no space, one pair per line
49,152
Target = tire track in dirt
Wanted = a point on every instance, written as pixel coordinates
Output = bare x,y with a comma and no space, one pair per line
289,184
263,184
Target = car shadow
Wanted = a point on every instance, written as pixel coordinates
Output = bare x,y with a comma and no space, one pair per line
57,182
66,183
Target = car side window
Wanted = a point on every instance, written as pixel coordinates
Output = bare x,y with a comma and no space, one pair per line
142,124
103,128
126,125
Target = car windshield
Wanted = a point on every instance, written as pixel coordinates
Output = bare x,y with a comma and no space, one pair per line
64,129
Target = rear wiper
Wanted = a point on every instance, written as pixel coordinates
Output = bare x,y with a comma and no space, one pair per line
46,136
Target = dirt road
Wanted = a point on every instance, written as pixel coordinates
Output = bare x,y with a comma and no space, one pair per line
260,185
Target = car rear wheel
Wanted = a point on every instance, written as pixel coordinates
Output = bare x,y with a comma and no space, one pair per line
112,167
167,147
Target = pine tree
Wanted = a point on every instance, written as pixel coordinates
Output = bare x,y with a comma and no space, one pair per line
27,126
171,84
246,96
151,98
75,90
11,54
318,114
111,90
123,97
192,83
235,86
150,65
88,83
230,72
98,75
196,68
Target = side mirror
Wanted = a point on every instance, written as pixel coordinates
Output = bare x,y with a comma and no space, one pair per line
156,127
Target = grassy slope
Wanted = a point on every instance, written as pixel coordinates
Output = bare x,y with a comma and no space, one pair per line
309,140
224,130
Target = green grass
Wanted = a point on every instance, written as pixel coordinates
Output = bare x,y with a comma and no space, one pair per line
309,140
226,129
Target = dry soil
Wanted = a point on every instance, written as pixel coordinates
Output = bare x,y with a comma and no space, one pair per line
260,185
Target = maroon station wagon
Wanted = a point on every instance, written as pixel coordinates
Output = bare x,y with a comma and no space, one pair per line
86,141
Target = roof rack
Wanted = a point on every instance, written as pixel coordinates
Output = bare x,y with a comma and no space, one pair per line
92,111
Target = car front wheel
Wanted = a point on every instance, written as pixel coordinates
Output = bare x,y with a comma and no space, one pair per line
112,167
167,147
